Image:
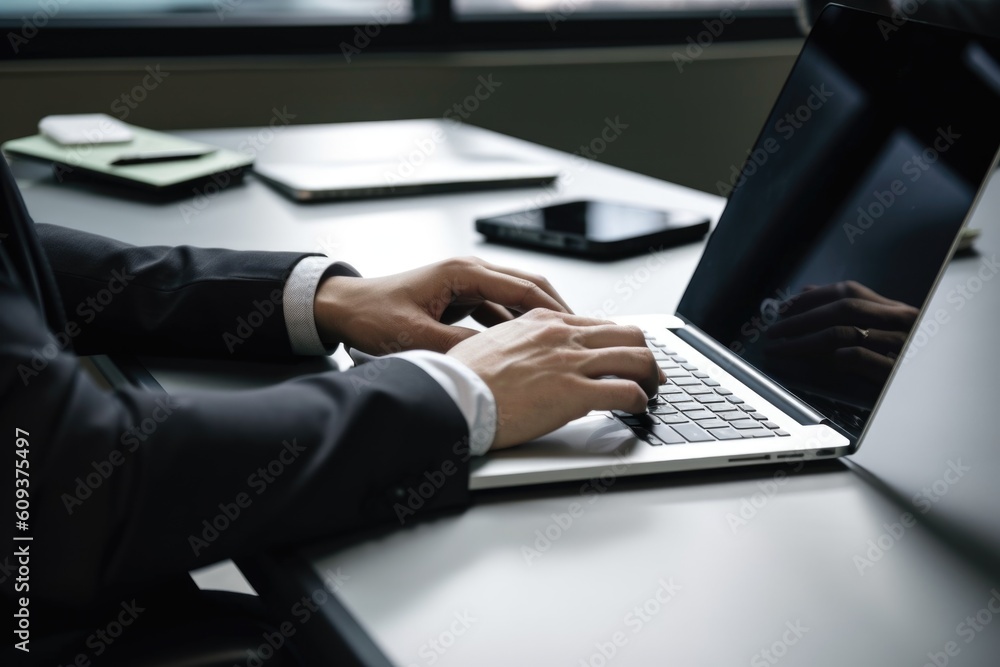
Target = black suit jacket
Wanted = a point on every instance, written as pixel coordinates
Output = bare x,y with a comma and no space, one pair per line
129,488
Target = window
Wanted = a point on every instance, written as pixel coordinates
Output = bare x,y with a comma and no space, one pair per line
485,8
333,11
37,29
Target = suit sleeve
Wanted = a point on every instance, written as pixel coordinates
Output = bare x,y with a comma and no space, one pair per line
128,488
162,300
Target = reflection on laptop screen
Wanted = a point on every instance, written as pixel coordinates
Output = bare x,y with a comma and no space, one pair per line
842,216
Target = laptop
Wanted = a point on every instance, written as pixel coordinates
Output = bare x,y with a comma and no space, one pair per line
325,182
837,230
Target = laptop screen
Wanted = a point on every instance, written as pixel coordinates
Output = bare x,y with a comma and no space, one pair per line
845,210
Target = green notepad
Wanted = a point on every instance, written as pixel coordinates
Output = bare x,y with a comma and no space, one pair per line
95,160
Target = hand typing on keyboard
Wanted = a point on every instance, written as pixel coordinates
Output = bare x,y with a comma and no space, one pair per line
546,369
692,407
544,365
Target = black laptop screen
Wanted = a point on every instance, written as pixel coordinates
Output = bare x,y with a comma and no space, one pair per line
842,215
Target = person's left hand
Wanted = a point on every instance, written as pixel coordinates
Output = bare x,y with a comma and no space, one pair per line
416,309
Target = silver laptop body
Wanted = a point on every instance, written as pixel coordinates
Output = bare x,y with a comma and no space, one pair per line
871,162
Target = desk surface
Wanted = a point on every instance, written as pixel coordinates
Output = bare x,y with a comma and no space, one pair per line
751,554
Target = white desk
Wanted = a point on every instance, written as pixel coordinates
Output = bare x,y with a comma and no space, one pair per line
794,561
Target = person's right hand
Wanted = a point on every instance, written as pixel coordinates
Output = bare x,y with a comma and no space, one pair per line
547,368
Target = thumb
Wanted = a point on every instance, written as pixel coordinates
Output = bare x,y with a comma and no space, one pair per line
442,337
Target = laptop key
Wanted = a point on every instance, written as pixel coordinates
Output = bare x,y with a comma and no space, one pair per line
700,375
757,433
676,373
783,434
714,383
748,408
690,405
723,407
670,389
692,432
673,419
639,420
653,440
758,416
731,416
731,399
690,367
771,425
699,389
714,422
663,410
744,424
679,359
667,434
709,398
677,398
685,382
721,391
726,433
698,415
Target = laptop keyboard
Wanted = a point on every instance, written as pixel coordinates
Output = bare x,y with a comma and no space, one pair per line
692,407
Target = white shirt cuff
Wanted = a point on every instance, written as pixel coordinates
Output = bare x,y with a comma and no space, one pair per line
299,296
474,399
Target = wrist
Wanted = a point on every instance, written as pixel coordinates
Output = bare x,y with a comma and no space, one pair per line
298,297
332,309
330,306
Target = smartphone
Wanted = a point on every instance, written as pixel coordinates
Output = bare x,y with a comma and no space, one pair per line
598,230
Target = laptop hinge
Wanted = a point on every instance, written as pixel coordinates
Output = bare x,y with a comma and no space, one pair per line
750,376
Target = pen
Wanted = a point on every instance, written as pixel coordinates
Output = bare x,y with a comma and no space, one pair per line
162,156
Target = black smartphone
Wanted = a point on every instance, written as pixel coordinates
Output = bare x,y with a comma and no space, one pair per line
598,230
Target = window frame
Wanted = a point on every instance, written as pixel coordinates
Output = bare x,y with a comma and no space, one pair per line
434,28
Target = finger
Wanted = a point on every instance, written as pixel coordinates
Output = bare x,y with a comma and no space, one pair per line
462,307
884,342
536,279
573,320
613,394
844,312
813,297
628,363
490,314
459,311
834,338
866,363
506,290
439,337
611,335
809,299
865,292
